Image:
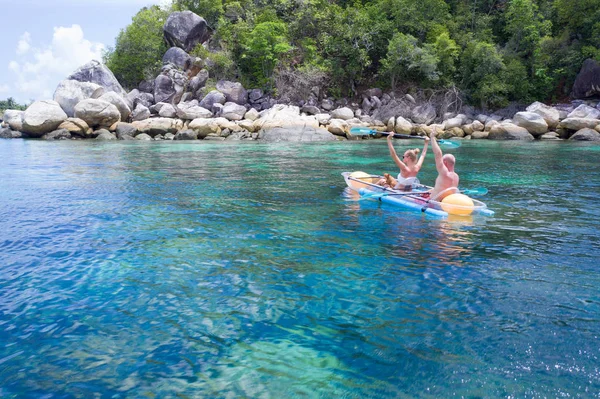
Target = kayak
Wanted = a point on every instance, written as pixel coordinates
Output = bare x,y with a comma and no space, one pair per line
453,202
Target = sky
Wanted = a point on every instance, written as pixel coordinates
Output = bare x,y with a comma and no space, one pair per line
44,41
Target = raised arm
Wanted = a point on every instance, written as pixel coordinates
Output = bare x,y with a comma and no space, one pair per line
422,157
437,152
393,154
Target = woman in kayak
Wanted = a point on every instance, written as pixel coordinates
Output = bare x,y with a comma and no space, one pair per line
409,167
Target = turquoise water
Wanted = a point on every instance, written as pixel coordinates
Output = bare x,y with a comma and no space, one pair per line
214,270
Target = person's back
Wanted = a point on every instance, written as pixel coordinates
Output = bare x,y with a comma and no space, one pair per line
444,164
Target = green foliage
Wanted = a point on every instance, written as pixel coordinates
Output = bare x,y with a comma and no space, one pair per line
139,48
483,70
494,51
406,60
263,48
10,103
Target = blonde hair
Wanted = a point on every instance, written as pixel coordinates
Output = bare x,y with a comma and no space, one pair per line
413,153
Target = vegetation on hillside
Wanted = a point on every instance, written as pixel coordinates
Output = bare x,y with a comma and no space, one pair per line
493,51
10,103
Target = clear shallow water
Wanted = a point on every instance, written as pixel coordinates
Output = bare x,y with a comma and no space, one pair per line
245,270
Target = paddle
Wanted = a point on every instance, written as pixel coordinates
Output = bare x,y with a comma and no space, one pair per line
474,191
363,131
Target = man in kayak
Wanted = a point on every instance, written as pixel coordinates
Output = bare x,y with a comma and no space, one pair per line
444,164
409,167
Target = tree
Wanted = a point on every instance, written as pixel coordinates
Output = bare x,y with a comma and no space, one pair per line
482,73
264,47
406,60
139,48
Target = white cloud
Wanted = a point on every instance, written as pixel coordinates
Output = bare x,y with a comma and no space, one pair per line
24,43
39,69
4,88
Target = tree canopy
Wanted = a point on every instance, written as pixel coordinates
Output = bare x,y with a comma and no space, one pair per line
493,51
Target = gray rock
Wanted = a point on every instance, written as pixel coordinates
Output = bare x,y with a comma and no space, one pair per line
97,113
310,109
423,114
233,111
164,89
140,113
8,133
255,94
186,135
191,110
508,131
98,73
143,137
532,121
14,119
551,115
177,57
105,135
586,135
125,129
70,92
211,98
233,91
42,117
306,134
118,101
198,81
146,86
59,134
343,113
76,126
185,30
578,123
327,104
166,110
587,83
584,111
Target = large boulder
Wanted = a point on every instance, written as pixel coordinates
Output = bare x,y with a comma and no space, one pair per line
402,126
587,83
214,97
578,123
164,89
118,101
586,135
166,110
136,97
584,111
8,133
177,57
284,116
96,72
306,134
97,113
205,126
343,113
14,119
69,92
551,115
156,126
185,30
191,110
233,91
533,122
76,126
423,114
509,131
140,113
233,111
42,117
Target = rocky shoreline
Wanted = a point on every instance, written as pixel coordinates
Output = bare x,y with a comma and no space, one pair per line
177,105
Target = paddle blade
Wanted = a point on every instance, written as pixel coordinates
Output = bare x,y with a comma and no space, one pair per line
449,144
362,131
474,192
